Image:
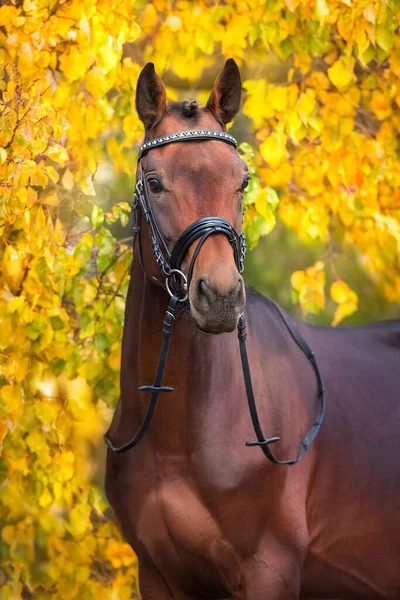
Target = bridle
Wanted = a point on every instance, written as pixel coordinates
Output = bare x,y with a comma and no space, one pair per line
177,285
170,263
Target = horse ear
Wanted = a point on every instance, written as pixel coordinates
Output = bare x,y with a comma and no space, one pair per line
151,97
224,101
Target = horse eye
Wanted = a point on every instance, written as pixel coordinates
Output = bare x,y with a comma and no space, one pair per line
155,185
245,183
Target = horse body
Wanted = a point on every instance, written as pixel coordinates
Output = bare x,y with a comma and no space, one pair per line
353,508
208,517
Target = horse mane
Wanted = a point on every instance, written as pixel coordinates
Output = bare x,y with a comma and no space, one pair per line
186,109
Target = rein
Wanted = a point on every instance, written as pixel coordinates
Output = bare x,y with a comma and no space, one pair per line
177,285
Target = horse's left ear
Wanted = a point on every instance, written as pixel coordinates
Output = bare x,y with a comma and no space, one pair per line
224,101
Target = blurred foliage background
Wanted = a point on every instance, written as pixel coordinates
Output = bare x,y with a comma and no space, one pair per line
319,130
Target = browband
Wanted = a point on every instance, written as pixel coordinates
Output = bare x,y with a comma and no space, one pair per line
193,134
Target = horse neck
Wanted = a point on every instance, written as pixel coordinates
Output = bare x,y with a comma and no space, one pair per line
196,363
206,375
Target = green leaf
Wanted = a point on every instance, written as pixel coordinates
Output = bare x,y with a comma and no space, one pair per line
286,48
272,198
102,342
97,216
83,249
57,366
57,323
107,245
36,327
254,32
384,38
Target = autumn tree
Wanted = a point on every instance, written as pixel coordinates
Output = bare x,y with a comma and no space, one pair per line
322,83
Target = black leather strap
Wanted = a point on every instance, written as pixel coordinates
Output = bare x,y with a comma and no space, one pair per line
262,441
155,389
209,225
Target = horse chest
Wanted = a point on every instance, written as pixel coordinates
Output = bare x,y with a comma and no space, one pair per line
183,537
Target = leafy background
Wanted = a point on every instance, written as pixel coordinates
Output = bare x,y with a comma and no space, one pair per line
319,129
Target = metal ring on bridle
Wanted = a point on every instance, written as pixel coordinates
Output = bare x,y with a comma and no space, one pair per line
184,284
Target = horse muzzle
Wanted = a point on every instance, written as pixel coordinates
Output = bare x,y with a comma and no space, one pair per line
213,311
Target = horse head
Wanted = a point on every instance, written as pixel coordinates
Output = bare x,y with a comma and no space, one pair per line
186,182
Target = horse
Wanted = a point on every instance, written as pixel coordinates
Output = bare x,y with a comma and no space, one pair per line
209,517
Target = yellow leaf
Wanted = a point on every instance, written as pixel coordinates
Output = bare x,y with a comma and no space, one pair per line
3,156
87,187
273,149
11,403
114,358
52,198
322,10
36,442
370,14
79,520
82,573
45,499
30,5
294,125
346,298
65,465
58,153
174,23
46,411
310,285
75,62
67,180
79,396
306,104
149,18
340,291
120,554
3,430
341,73
52,173
297,280
279,98
8,534
266,201
13,268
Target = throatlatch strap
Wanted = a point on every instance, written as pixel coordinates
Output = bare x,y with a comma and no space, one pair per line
262,441
155,389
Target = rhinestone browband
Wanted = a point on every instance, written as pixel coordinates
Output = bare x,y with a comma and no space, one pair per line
194,134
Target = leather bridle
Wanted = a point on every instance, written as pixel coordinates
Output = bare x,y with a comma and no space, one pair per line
177,285
176,282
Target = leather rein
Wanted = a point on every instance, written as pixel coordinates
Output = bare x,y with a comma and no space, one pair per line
177,285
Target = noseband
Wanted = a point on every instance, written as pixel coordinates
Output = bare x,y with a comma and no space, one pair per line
177,285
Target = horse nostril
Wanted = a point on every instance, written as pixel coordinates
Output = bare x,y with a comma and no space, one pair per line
205,293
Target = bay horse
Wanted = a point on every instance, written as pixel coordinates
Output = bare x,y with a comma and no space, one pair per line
208,517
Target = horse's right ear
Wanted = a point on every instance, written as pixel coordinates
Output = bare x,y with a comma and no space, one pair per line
151,97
